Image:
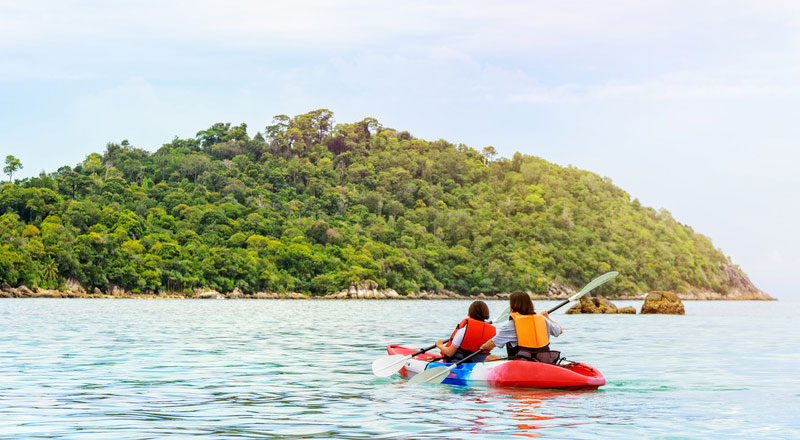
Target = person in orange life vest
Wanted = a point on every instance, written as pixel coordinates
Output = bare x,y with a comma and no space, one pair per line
469,335
526,333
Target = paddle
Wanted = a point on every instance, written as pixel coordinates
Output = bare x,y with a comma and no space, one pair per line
438,374
503,317
388,365
591,286
597,282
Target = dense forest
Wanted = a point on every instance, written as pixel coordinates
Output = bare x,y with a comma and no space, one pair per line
310,206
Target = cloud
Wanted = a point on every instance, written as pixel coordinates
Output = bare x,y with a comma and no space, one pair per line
721,84
471,25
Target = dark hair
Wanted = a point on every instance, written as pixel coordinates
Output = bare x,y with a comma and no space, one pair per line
521,303
478,310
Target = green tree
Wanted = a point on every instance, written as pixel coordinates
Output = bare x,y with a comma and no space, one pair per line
12,165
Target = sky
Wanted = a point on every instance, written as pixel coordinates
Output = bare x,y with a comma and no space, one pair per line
690,106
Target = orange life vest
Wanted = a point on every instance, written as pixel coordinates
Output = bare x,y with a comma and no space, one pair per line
531,330
476,333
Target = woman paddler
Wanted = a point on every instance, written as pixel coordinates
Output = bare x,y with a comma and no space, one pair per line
469,335
526,334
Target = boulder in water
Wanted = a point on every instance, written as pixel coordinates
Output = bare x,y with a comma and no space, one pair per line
664,303
588,306
598,304
603,305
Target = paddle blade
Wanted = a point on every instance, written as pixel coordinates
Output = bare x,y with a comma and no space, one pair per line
432,375
387,365
502,317
597,282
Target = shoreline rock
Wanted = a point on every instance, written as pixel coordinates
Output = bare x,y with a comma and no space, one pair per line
741,289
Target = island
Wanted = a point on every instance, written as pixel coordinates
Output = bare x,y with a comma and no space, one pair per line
311,208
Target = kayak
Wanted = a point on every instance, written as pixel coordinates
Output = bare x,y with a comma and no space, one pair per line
505,373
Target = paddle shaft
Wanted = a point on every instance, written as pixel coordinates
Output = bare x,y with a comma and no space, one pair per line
563,303
423,350
466,358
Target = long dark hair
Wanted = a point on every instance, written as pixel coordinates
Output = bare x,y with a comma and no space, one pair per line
478,310
521,303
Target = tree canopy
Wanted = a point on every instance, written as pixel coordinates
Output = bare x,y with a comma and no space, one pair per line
309,205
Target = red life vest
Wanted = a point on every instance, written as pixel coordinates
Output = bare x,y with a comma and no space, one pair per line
476,333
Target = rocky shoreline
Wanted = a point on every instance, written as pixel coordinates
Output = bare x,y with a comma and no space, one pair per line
364,290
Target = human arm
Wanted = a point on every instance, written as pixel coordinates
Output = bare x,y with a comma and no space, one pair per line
553,328
488,345
450,350
505,333
446,351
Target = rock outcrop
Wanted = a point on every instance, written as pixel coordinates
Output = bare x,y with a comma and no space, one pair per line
598,304
208,294
664,303
559,291
235,294
739,288
368,289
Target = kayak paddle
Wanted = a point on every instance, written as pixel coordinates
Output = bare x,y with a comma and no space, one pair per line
438,374
388,365
503,317
602,279
597,282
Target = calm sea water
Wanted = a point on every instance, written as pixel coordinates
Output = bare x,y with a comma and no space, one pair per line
301,369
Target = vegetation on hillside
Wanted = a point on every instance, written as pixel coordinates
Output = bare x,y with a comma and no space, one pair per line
309,206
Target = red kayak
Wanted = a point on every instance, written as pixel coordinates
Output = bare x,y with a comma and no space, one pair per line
505,373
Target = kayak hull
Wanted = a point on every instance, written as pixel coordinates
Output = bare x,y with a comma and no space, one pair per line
505,373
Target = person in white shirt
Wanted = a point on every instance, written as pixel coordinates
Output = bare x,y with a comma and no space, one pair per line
469,335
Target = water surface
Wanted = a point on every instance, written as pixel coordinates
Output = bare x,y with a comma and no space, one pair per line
94,368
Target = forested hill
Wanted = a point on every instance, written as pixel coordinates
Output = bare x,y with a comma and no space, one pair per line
311,207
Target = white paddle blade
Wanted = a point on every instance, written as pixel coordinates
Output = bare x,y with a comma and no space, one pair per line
502,317
388,365
597,282
432,375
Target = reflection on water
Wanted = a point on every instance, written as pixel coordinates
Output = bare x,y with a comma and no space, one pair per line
524,407
301,369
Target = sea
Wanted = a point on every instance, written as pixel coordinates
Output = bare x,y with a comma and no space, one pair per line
268,369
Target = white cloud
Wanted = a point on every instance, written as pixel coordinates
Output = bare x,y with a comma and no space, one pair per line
720,84
472,25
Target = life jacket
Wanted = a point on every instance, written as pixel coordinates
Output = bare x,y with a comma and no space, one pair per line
475,335
532,336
